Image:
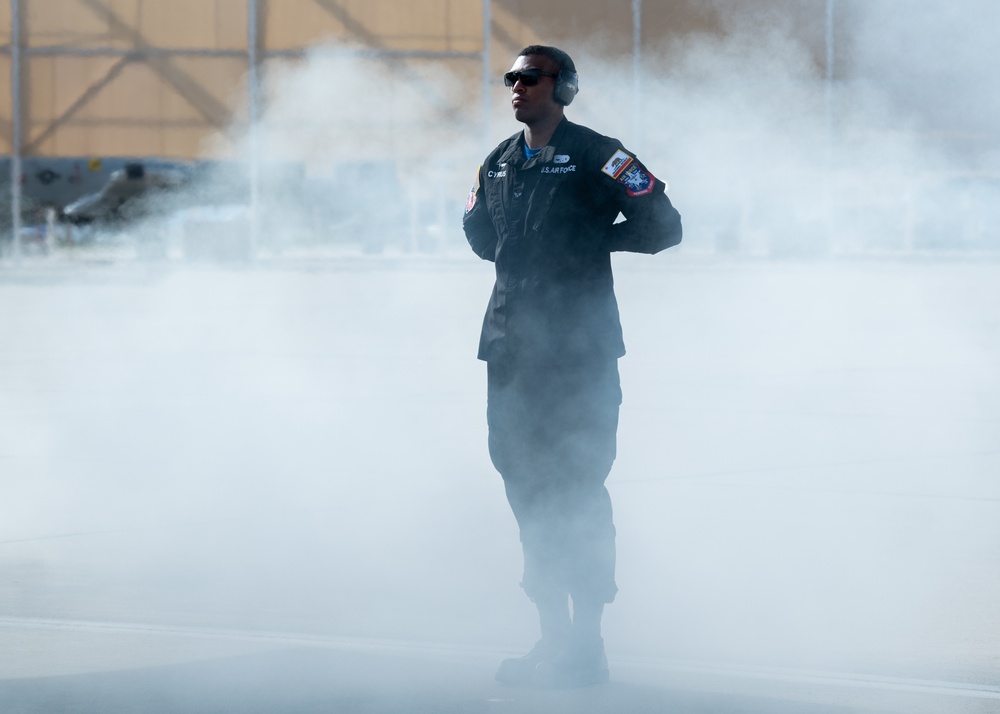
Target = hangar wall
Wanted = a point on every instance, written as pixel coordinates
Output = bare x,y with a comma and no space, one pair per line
163,77
158,77
167,78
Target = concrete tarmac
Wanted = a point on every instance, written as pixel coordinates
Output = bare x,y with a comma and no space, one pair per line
267,489
54,667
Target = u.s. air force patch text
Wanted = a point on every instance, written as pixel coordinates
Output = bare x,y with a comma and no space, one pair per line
559,169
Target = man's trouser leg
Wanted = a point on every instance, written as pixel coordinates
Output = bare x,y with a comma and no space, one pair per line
552,438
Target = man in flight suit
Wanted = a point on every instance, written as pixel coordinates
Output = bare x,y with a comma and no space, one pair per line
543,209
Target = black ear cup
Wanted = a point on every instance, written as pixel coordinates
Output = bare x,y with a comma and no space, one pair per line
567,85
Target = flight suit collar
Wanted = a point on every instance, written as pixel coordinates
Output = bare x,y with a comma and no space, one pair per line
515,152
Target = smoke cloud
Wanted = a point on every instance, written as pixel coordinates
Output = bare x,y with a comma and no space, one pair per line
807,447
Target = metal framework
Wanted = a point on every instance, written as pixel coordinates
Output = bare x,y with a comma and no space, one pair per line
15,153
187,86
194,92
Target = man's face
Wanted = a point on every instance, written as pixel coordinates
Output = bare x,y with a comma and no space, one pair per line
534,103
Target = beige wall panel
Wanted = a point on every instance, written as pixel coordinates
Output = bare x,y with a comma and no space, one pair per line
577,26
67,22
124,17
54,85
128,140
683,17
58,122
212,89
134,97
181,23
193,125
173,108
420,25
5,106
194,24
39,91
466,26
231,29
4,21
291,24
510,34
183,142
439,25
177,106
605,26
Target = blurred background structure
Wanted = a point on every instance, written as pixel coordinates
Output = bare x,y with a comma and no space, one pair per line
803,127
198,452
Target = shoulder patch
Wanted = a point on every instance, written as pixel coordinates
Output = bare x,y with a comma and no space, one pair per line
616,164
636,179
471,201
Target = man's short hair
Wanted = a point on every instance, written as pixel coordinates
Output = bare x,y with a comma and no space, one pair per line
553,53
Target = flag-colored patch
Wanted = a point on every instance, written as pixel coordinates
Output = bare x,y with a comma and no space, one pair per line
471,202
616,164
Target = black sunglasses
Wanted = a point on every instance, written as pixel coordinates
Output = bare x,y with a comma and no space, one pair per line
527,77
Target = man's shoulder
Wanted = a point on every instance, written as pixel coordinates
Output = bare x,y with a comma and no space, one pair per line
593,147
595,150
587,136
504,146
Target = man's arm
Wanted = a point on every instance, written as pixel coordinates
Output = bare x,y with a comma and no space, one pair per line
650,225
651,222
478,226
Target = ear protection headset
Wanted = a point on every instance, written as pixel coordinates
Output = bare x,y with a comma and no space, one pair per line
567,83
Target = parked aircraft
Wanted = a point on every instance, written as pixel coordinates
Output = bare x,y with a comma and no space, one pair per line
124,195
59,182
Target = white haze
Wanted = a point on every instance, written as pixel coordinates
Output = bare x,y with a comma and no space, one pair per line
807,450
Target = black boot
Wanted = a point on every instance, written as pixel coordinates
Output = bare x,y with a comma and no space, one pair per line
524,671
556,626
580,663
